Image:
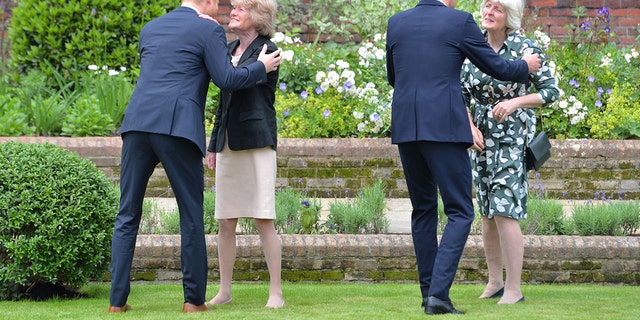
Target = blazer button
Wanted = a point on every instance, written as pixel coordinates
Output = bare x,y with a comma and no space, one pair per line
490,100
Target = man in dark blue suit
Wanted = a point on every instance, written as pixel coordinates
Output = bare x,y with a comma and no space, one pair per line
164,123
426,47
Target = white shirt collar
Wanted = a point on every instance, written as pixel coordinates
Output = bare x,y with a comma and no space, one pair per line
190,5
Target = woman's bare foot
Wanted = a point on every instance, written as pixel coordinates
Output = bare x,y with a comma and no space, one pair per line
219,299
275,302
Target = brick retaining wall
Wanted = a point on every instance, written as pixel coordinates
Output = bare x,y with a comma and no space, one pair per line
577,167
325,168
390,257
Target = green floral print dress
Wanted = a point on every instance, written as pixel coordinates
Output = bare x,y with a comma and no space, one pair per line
499,172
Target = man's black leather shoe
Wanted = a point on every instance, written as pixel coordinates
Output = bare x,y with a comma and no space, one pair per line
437,306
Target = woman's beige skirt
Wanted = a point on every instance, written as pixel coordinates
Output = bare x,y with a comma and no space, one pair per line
245,183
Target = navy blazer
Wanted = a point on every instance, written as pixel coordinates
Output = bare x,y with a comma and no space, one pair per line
247,116
170,94
426,47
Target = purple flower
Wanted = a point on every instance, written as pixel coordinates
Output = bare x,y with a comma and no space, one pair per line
375,116
283,86
347,85
585,25
604,11
304,94
326,113
600,90
598,103
93,12
105,18
608,91
286,113
305,203
319,90
574,83
591,78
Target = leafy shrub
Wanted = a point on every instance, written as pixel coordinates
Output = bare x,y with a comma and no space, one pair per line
364,214
49,31
588,65
610,218
211,225
295,212
14,120
86,119
338,91
544,217
56,218
620,118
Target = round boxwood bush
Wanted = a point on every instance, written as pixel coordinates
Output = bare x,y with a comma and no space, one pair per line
56,218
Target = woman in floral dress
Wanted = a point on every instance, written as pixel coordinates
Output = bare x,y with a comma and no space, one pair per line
502,112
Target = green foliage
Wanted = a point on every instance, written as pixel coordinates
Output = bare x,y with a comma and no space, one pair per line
620,118
75,34
112,89
588,65
151,215
544,217
45,106
86,119
296,213
611,218
211,225
339,91
339,19
56,218
364,214
316,117
14,120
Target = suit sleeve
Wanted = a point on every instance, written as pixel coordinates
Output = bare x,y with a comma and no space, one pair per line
222,72
477,50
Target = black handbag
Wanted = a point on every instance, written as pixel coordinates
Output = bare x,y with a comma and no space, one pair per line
538,151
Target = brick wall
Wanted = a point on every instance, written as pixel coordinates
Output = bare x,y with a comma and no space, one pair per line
577,169
390,257
552,14
556,14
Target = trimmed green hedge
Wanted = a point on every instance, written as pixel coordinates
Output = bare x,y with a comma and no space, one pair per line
73,35
56,219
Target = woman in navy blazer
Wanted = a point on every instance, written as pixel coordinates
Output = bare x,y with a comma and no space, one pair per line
426,47
243,151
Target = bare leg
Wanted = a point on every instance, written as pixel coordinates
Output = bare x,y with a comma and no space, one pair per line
512,250
492,251
226,259
273,256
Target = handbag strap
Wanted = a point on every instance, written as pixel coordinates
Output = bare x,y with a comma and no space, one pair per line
535,116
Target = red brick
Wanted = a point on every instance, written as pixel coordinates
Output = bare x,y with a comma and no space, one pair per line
541,3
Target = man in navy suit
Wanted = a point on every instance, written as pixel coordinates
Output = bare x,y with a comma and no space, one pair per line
164,123
426,47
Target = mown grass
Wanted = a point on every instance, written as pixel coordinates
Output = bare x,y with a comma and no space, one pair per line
342,301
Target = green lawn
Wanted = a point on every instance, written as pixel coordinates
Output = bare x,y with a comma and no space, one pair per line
342,301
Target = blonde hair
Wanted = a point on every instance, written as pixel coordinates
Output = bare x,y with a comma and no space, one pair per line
515,12
263,14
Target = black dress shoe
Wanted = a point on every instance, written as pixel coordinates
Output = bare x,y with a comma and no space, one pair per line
437,306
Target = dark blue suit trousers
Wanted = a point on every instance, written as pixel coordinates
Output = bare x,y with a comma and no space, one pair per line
182,162
430,167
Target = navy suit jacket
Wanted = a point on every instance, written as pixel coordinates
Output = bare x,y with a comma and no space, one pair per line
426,47
180,53
248,116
